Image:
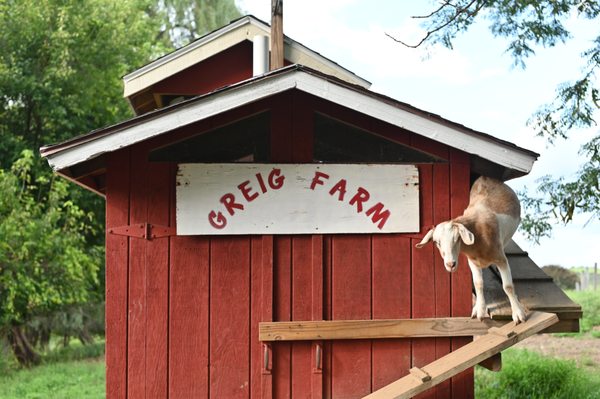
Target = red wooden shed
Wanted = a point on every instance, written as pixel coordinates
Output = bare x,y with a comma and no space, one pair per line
183,311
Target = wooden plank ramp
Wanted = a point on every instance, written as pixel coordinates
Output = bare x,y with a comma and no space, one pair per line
496,340
375,329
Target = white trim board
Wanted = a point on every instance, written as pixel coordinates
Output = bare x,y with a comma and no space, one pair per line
213,43
487,148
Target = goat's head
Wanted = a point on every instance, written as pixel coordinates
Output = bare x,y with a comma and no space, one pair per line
448,237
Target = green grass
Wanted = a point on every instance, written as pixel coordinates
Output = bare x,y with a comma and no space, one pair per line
64,380
74,372
590,303
529,375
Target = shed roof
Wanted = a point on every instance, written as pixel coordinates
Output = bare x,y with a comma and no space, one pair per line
244,28
535,289
514,161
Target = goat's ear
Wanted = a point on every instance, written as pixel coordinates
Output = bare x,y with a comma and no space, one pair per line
467,237
425,239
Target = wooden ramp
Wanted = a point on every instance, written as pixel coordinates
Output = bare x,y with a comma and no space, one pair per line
496,340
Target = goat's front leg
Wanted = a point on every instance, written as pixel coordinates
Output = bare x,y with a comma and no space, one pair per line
519,313
479,310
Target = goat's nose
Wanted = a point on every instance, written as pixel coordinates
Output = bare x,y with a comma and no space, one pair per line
451,265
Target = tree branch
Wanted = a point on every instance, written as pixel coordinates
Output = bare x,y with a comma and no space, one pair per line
458,13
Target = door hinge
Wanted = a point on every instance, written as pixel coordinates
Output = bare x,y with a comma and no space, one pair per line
147,231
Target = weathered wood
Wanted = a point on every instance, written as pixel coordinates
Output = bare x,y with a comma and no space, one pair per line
391,299
465,357
375,329
157,281
351,299
419,374
423,273
117,266
493,363
277,51
229,317
443,292
461,305
137,304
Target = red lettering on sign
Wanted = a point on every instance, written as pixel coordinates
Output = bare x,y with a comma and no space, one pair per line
246,191
229,201
360,198
217,220
379,215
261,183
276,179
317,179
340,187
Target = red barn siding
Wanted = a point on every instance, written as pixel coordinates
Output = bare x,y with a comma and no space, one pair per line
229,66
183,312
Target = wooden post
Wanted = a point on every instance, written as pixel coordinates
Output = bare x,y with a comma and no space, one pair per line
276,34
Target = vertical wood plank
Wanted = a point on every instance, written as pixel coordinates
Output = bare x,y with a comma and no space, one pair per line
282,305
391,300
441,212
267,305
157,280
301,367
462,384
423,284
328,313
256,312
136,349
188,317
117,248
351,299
230,317
317,314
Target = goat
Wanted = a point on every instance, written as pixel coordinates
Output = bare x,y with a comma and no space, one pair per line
485,227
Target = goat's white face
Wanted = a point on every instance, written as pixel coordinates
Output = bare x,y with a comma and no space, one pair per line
448,237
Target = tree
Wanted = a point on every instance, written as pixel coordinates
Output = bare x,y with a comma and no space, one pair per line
45,262
564,278
60,69
528,24
186,20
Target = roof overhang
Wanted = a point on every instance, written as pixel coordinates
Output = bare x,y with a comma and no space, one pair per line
517,161
245,28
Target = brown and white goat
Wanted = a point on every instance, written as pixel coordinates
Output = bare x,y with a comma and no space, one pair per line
485,227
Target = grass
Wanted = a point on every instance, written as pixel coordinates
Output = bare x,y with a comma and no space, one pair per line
590,303
64,380
74,372
527,374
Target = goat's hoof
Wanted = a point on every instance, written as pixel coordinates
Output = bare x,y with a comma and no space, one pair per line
479,312
519,316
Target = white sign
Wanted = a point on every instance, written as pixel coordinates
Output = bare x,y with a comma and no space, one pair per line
296,199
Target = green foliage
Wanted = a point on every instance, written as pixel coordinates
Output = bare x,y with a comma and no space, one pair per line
590,303
564,278
529,375
44,260
529,24
73,352
60,67
189,19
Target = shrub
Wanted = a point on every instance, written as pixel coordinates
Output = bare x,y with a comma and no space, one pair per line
564,278
529,375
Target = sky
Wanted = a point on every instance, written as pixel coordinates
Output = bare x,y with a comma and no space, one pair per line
475,84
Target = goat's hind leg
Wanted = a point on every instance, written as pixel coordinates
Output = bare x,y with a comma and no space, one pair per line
519,313
480,309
